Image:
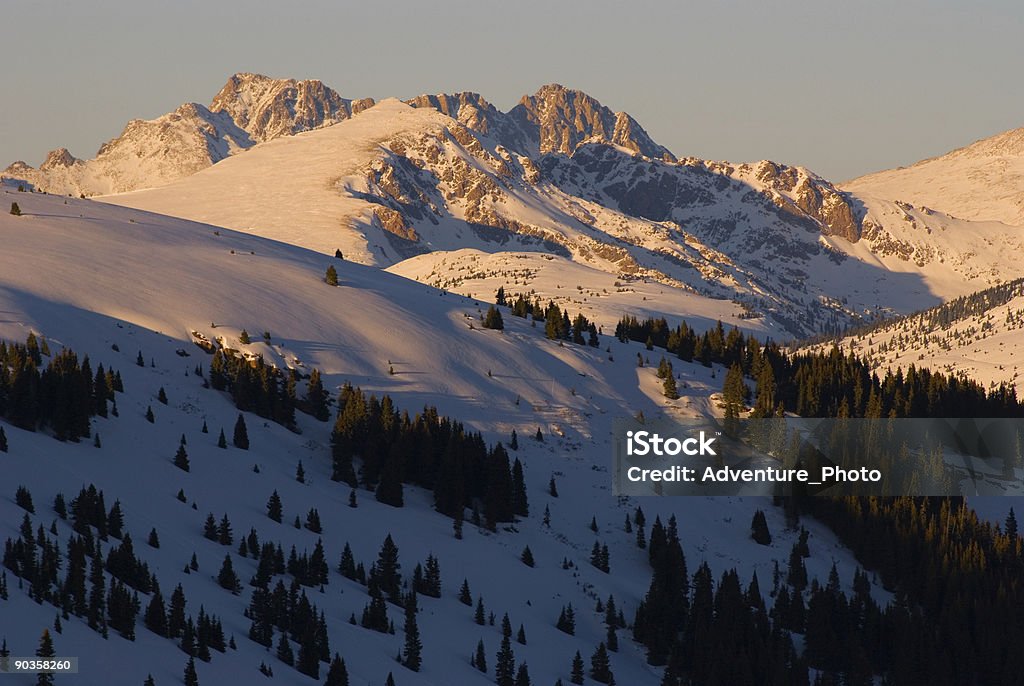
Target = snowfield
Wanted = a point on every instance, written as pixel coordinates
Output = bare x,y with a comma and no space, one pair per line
93,276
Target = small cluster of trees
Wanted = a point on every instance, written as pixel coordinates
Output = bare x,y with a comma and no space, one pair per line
63,396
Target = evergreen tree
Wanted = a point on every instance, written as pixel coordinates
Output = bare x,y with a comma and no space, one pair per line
191,678
337,674
522,675
759,529
161,396
241,436
300,473
479,659
478,615
3,440
15,210
464,594
527,557
227,578
600,666
181,459
567,620
413,647
331,276
244,338
45,650
222,442
224,533
505,664
493,320
316,397
274,508
155,618
576,673
149,415
284,650
176,614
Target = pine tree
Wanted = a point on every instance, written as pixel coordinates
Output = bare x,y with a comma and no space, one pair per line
479,615
521,635
513,444
493,320
413,646
1010,527
464,595
191,678
149,415
552,487
155,618
15,210
274,508
567,620
3,440
176,614
227,578
161,396
222,442
284,650
759,529
505,664
241,436
527,557
479,660
244,338
45,650
337,674
600,668
331,276
522,675
669,386
181,459
300,473
576,674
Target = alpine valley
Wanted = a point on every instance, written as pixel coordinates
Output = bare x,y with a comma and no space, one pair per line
317,389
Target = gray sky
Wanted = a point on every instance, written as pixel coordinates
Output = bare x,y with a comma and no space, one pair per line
843,88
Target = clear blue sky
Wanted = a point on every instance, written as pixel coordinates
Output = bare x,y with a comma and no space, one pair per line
843,88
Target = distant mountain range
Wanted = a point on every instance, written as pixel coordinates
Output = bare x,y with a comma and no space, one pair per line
559,177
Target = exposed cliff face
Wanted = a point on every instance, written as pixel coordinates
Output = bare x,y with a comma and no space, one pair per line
267,108
560,120
554,119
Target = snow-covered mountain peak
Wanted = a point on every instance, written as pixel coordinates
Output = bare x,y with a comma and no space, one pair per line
250,108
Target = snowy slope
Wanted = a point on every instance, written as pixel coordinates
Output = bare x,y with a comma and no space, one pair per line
601,296
986,345
982,181
91,276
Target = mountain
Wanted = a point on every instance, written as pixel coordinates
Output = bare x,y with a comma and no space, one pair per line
117,284
778,246
249,109
983,181
774,246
